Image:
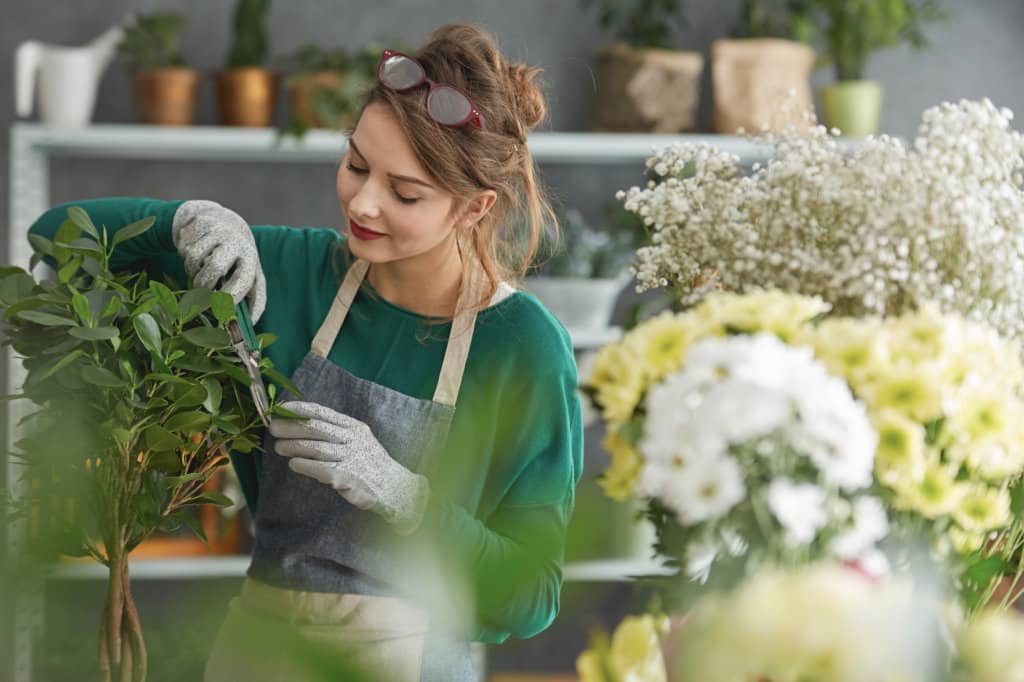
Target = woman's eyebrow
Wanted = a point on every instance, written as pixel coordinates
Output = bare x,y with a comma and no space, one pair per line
393,176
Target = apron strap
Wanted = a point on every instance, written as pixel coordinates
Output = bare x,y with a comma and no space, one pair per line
459,339
339,309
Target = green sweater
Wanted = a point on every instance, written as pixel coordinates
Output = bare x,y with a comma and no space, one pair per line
515,448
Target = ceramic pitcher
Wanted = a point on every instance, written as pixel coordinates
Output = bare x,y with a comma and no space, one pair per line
66,78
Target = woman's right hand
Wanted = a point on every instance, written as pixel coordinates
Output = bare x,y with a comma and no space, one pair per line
213,241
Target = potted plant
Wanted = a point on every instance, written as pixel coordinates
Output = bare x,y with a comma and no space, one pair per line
246,89
642,84
761,76
165,88
850,31
579,276
138,400
326,86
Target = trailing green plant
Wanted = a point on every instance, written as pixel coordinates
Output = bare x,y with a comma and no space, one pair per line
789,19
250,43
153,41
335,106
641,23
137,398
851,30
584,249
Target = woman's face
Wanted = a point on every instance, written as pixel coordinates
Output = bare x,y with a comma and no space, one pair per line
393,208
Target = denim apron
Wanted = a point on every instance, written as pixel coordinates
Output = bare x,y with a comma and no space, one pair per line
334,577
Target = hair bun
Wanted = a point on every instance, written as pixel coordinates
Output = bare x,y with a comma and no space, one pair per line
529,101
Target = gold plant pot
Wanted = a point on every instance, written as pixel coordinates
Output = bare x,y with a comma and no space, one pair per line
302,92
166,96
247,97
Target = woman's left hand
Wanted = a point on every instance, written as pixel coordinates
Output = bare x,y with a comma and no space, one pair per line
342,452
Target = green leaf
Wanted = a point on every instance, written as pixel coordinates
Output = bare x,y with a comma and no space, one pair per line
265,339
197,528
207,337
66,233
112,308
167,300
165,462
123,437
68,270
148,331
235,372
159,438
41,244
86,247
226,426
197,363
214,395
175,356
81,305
133,230
171,378
215,498
62,363
192,395
15,287
94,333
188,422
46,319
243,444
281,379
193,302
82,220
101,376
223,307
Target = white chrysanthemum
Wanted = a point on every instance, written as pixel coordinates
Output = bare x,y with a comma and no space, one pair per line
800,508
870,525
702,491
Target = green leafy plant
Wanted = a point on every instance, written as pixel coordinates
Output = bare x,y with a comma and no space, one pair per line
789,19
138,398
250,43
586,250
153,41
852,29
336,106
640,23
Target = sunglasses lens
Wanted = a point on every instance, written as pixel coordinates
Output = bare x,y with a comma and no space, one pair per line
448,105
400,73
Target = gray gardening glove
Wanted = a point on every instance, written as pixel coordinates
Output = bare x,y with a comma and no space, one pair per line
212,240
343,453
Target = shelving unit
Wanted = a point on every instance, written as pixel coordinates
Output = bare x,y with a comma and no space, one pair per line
33,145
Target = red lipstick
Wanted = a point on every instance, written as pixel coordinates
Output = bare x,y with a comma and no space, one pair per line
360,232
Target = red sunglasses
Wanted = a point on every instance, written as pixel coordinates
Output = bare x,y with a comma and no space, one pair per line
445,104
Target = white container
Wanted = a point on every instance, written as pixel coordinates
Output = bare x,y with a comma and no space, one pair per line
65,78
579,303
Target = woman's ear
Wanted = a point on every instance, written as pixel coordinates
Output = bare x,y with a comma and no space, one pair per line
476,208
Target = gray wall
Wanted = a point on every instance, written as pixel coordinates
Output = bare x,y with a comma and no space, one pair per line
978,53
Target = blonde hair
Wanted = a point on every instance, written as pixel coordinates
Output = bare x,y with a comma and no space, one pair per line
465,160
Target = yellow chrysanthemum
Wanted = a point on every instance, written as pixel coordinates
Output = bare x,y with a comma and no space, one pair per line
619,479
983,509
636,650
850,348
990,646
913,391
965,542
922,336
661,343
936,494
588,667
981,414
785,315
619,381
900,456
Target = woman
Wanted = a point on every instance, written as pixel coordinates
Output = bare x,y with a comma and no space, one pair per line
422,501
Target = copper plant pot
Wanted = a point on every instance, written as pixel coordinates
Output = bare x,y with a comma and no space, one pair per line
302,92
247,97
166,96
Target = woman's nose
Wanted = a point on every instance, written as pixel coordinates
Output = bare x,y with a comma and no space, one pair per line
365,203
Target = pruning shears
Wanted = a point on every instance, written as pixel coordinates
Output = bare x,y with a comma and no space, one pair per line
246,345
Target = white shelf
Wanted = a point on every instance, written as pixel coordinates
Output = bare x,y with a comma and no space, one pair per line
225,143
601,570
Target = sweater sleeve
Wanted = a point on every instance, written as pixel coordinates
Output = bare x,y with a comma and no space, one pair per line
513,557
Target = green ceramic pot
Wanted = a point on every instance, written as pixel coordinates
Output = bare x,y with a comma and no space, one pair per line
852,106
